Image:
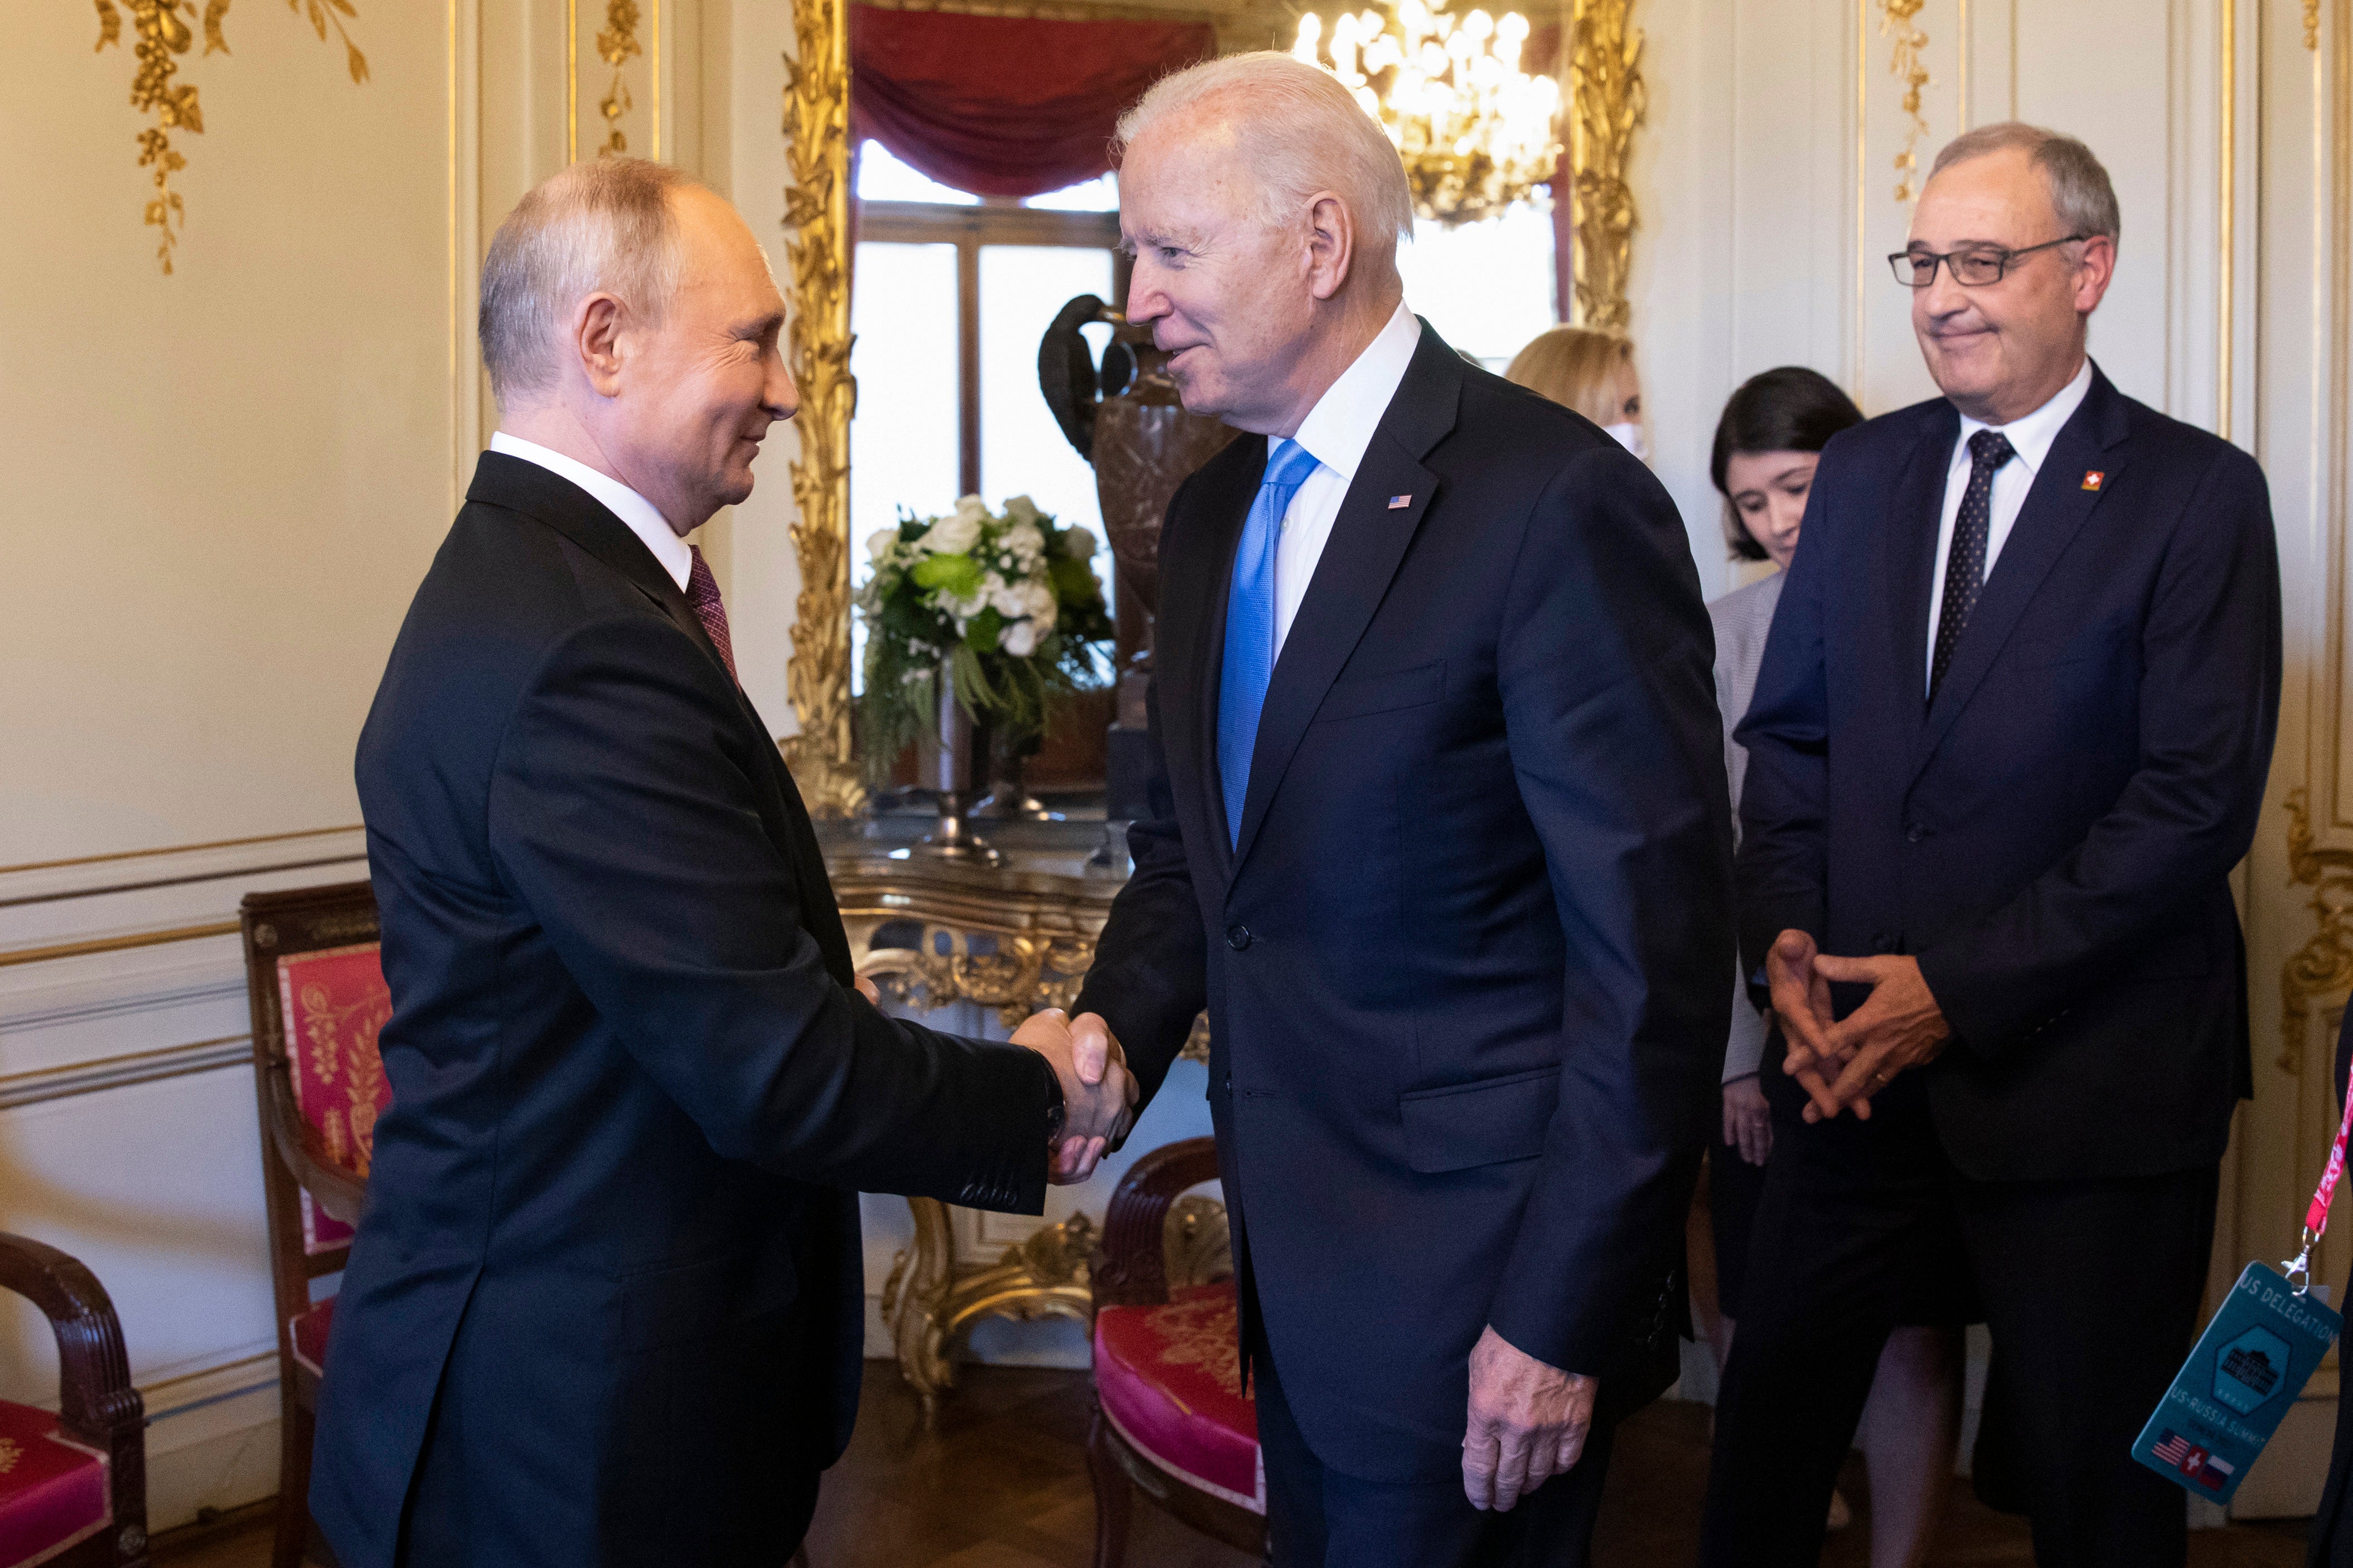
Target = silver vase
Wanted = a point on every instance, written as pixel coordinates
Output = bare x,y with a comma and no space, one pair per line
951,838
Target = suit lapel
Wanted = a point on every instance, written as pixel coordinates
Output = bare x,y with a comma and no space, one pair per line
2054,513
1916,515
1368,540
1192,628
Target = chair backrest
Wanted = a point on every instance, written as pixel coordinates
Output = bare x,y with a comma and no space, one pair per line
318,998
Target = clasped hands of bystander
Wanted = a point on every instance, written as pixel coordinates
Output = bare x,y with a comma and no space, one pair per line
1841,1064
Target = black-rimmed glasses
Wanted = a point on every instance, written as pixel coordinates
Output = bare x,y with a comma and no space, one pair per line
1972,268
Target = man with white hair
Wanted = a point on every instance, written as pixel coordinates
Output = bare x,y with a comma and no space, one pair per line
2011,734
606,1304
1440,839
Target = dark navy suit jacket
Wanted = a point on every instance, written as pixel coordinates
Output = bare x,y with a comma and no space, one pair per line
2053,836
607,1305
1464,974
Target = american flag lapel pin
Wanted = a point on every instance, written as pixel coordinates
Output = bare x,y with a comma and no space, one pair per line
1398,503
2093,478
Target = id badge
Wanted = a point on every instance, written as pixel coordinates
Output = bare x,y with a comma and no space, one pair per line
2248,1367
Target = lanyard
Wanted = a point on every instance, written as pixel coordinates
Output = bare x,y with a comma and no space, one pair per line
2315,1219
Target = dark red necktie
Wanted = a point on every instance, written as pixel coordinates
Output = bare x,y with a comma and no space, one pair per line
703,594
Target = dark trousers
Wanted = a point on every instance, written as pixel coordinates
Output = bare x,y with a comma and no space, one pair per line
2091,1291
1318,1517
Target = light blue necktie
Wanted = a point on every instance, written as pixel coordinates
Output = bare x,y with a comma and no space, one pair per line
1249,625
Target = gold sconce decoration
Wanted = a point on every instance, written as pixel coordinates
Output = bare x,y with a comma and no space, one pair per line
615,45
164,35
1606,101
2322,969
1898,19
817,211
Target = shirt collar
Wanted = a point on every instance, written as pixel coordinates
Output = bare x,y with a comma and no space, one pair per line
643,518
1340,426
2030,434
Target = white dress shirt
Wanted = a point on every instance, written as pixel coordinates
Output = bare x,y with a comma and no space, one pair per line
644,519
2030,436
1336,433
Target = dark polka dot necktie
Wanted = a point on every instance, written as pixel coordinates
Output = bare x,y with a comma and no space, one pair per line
1964,563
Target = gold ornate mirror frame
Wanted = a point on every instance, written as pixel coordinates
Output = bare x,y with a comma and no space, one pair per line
1605,106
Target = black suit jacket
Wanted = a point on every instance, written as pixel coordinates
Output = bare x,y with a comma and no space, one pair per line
611,1240
1464,974
2052,835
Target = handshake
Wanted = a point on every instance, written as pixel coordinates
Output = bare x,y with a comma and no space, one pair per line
1098,1094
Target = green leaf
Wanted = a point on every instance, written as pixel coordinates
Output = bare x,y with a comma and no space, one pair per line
981,634
957,575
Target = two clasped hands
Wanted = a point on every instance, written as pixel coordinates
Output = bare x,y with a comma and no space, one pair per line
1098,1092
1840,1065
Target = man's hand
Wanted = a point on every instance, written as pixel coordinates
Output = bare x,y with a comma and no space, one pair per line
866,989
1899,1026
1527,1423
1801,1004
1747,1119
1098,1095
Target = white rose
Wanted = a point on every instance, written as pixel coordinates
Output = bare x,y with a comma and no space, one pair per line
880,544
1079,544
1020,638
951,535
973,509
1011,599
1039,605
1021,508
1028,545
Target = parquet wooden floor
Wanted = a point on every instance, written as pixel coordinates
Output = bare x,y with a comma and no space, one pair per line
1001,1483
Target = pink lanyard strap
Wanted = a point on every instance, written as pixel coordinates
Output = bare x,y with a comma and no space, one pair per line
2315,1218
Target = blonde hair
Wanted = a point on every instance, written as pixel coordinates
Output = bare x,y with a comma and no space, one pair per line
1576,367
1299,131
604,225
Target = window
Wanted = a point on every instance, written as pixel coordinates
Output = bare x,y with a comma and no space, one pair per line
950,297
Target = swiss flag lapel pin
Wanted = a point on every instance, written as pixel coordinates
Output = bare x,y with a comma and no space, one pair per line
2093,478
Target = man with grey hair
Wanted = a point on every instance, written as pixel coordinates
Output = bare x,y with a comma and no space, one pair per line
2010,736
1440,839
606,1308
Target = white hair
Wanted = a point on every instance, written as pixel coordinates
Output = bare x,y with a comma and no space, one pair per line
604,225
1300,132
2081,191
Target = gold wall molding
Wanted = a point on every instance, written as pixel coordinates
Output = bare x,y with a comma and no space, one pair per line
1906,62
164,33
1606,101
817,211
2312,26
616,46
2322,967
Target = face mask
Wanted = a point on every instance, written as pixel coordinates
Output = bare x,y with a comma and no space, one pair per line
1630,438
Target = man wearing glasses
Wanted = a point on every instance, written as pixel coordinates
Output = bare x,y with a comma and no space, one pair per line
2008,739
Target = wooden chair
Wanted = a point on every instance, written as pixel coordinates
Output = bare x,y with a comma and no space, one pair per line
73,1485
1172,1419
318,998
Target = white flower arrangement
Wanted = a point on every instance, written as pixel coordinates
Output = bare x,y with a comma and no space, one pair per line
1006,602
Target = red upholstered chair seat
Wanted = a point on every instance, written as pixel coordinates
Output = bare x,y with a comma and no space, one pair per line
1169,1380
310,1331
53,1491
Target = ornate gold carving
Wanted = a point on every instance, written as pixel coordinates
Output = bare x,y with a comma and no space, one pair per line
1898,20
164,35
1606,101
1021,975
2312,24
2323,966
616,46
930,1307
816,210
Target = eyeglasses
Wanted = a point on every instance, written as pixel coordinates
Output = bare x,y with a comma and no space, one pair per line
1972,268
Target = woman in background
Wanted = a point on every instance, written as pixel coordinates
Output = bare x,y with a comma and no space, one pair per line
1767,444
1590,371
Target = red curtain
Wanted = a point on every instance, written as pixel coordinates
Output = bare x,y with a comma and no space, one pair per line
1005,106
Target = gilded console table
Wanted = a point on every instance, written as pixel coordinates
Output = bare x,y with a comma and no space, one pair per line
1016,937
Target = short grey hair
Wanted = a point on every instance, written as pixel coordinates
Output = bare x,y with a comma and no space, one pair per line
2080,189
1302,133
604,225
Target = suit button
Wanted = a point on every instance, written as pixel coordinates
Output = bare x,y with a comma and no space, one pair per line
1914,833
1238,937
1882,942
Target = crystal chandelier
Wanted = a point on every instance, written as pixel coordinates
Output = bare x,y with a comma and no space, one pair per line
1476,132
